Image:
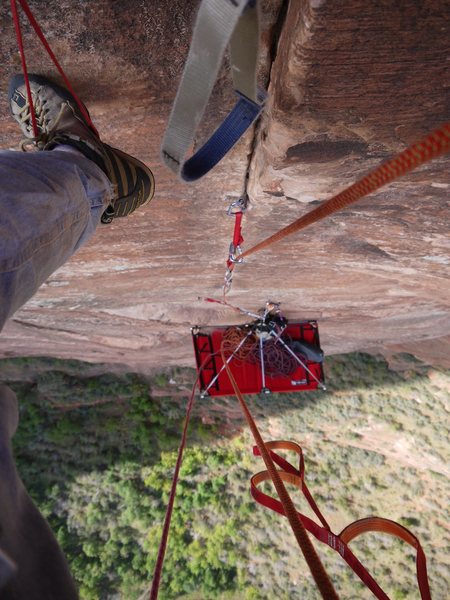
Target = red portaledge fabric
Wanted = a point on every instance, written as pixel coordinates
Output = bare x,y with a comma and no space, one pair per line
324,534
46,45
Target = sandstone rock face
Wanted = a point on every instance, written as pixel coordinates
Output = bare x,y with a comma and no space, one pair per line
350,84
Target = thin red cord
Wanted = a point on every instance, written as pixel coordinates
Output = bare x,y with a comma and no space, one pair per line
156,582
18,29
46,45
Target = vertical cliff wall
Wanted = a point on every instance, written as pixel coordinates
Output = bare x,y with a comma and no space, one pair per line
350,83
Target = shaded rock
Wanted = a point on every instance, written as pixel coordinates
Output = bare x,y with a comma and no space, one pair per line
324,150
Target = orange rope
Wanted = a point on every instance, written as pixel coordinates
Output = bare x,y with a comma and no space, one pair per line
432,146
312,558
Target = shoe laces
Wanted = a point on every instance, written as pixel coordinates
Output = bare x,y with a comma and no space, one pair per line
42,140
40,112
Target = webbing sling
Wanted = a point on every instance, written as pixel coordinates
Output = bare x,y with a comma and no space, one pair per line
7,569
219,23
323,533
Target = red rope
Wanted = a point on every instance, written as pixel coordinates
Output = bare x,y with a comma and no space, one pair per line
50,52
18,29
319,573
313,561
299,523
156,582
157,572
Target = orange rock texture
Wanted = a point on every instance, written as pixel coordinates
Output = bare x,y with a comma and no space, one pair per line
350,84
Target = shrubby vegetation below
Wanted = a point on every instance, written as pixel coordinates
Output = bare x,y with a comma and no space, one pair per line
97,455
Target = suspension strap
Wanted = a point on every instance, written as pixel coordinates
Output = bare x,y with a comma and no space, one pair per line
433,145
219,23
42,38
323,533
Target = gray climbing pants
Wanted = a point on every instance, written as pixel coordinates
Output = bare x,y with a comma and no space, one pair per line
32,566
50,204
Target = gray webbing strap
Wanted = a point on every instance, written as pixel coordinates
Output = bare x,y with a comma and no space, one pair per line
244,47
219,23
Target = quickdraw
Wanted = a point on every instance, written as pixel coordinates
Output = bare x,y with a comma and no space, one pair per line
236,209
430,147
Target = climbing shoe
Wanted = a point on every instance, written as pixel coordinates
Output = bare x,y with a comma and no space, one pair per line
61,122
